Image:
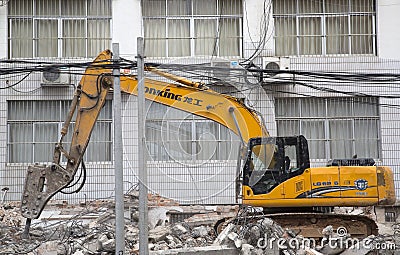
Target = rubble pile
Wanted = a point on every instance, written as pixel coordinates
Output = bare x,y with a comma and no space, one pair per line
91,230
260,237
180,236
266,237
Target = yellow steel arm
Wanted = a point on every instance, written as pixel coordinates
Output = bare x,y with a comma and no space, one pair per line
43,182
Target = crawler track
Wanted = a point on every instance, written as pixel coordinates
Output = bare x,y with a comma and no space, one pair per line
311,224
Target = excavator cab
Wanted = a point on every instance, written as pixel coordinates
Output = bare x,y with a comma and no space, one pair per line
290,158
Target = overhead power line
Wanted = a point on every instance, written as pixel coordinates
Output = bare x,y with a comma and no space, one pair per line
311,79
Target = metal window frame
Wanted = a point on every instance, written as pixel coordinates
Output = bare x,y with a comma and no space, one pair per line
192,18
60,39
324,15
194,141
326,119
59,123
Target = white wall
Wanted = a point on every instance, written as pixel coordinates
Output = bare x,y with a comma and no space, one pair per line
127,26
3,32
256,23
388,23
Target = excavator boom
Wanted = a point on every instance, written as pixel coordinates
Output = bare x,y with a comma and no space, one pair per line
43,182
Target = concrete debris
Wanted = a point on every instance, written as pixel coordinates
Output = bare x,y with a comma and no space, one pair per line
207,250
236,239
337,243
264,236
158,234
79,252
200,219
223,236
179,229
200,231
247,249
159,216
328,231
10,216
309,251
90,229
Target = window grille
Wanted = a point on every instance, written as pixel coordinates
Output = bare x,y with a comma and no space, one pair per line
325,27
34,128
334,127
390,216
58,28
174,135
177,28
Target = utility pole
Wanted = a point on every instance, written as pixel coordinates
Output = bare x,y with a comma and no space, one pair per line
118,159
143,190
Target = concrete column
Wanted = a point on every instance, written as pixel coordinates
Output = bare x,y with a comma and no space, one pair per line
257,19
127,25
3,32
388,22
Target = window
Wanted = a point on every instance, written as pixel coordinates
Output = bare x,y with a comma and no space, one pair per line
324,27
174,135
334,127
34,129
58,28
177,28
390,216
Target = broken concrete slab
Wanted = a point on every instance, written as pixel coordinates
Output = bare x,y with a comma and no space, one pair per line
200,231
236,239
247,249
159,216
209,250
179,229
159,233
310,251
223,236
208,218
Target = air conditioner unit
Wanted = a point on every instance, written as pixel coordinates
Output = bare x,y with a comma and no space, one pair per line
56,77
275,63
223,68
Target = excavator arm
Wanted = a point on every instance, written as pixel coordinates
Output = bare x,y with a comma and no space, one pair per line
43,182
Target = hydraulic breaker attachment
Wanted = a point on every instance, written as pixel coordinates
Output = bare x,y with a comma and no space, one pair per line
41,183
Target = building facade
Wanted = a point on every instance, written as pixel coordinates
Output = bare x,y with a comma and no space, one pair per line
191,159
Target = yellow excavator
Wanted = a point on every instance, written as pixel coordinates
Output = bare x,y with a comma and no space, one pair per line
275,171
